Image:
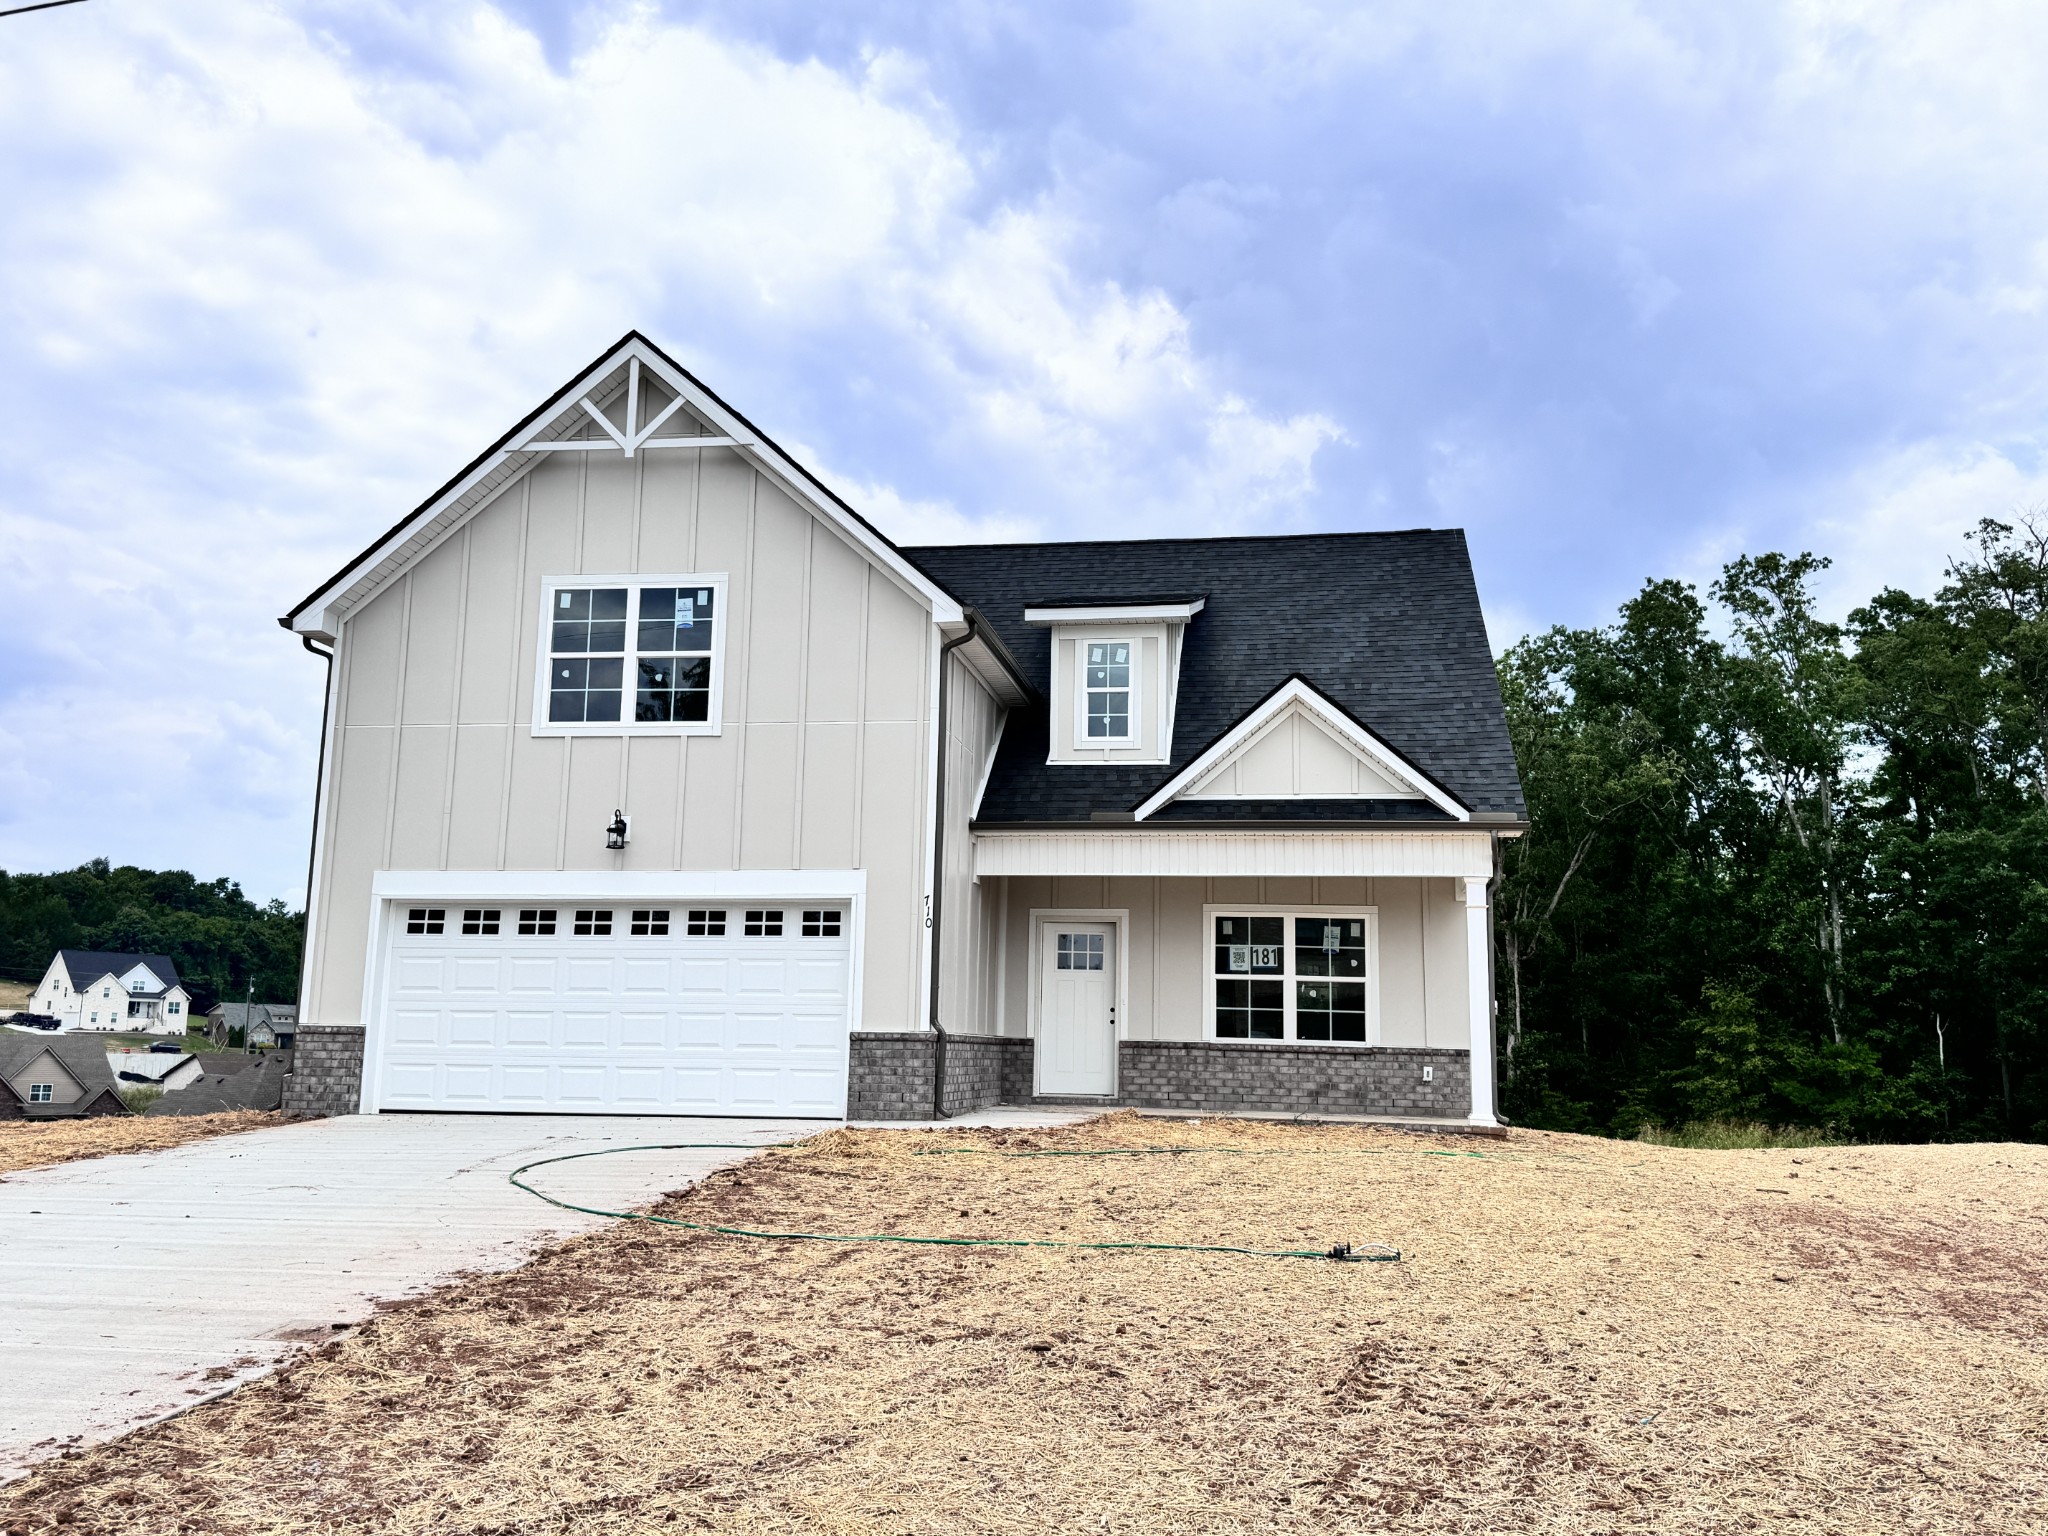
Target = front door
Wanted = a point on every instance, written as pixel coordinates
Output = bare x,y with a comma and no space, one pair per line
1076,1049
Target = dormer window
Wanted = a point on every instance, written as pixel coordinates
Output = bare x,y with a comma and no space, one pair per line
1108,690
1115,673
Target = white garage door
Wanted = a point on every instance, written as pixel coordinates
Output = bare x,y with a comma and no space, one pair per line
712,1009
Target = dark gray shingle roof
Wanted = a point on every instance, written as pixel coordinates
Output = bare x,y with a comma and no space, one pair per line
235,1015
86,966
1387,625
83,1056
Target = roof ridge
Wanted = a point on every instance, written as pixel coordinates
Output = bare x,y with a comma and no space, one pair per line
1218,538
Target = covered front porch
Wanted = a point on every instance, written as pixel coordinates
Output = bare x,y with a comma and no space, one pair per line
1317,973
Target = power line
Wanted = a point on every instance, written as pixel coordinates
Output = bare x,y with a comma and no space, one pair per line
41,5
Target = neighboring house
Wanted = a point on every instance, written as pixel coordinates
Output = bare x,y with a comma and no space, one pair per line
229,1083
262,1024
657,780
130,994
170,1073
55,1077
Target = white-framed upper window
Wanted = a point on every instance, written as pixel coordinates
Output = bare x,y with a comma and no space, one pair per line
1282,974
41,1093
1108,692
630,654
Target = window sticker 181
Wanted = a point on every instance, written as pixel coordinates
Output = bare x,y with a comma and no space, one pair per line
1245,957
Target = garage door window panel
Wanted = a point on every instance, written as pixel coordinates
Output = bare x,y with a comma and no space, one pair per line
654,1010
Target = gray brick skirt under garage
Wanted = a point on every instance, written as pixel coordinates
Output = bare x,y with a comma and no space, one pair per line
890,1077
327,1071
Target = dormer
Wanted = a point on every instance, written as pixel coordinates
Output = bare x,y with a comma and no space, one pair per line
1115,677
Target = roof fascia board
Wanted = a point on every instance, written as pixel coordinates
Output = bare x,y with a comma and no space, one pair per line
487,463
320,614
798,482
1130,613
1298,691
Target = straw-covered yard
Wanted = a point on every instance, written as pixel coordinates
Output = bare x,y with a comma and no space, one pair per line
1581,1336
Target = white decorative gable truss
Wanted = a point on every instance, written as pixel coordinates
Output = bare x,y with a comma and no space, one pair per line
633,400
1299,745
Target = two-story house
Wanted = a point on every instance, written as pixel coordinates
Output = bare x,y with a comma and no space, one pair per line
132,994
654,779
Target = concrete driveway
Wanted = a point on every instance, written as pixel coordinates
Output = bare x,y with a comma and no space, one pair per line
133,1286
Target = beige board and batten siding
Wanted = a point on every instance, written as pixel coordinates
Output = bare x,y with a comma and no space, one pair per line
821,762
46,1068
1423,997
1297,757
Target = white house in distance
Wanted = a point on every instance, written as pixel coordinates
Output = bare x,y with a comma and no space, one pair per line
656,780
129,994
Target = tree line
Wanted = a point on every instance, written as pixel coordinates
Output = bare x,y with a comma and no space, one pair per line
219,939
1781,869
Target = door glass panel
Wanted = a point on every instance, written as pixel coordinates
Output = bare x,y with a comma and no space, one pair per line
1079,952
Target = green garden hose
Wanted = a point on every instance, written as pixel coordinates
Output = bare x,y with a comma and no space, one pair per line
1343,1253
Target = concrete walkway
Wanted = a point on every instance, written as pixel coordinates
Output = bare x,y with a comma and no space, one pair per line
132,1286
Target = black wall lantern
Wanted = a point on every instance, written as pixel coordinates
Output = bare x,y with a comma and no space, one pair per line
615,834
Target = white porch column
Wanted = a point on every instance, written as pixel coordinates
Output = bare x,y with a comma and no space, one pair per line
1479,991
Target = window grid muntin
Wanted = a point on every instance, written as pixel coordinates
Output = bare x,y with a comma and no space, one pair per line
537,922
481,921
1275,975
673,652
674,628
426,919
822,923
587,654
42,1093
705,923
650,922
1106,689
764,923
593,923
1079,952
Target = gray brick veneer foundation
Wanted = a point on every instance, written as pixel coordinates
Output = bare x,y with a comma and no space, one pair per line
891,1077
327,1071
1291,1078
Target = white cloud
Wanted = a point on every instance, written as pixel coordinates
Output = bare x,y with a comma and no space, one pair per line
1900,521
263,288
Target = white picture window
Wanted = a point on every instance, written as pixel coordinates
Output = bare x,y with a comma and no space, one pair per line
1106,685
41,1093
630,654
1292,976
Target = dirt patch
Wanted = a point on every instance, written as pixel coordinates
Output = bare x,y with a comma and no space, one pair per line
1582,1337
38,1143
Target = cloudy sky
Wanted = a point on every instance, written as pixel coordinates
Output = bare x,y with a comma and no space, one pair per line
1620,288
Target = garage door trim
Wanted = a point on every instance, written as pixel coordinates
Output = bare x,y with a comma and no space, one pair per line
390,889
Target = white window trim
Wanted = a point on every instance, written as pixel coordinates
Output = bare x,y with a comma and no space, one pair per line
42,1093
1133,736
714,722
1371,917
